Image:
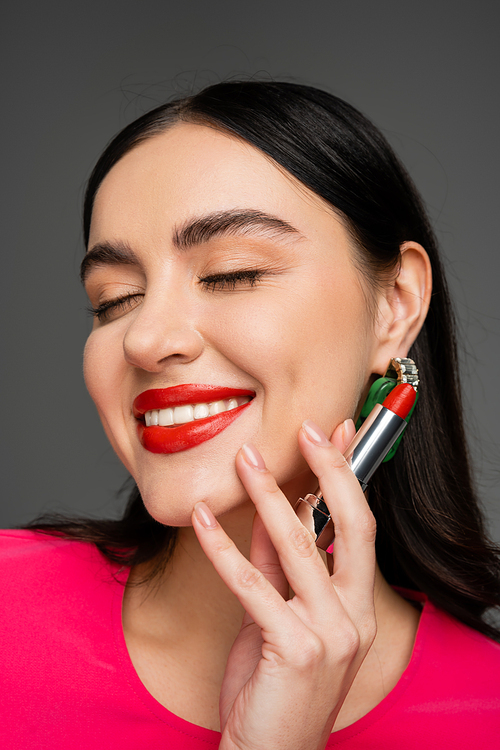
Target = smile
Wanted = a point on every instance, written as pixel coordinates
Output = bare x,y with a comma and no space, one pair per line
177,418
190,412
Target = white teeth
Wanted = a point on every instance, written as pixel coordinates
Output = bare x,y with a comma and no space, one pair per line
166,417
201,411
217,408
183,414
153,417
190,412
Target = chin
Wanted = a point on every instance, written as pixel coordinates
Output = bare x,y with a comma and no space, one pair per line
173,507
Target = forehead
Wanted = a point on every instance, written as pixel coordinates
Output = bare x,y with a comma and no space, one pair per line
193,169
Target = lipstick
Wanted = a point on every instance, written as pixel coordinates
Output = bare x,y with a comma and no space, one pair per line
372,442
179,437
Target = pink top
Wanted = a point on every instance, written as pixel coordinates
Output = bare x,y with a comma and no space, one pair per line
68,682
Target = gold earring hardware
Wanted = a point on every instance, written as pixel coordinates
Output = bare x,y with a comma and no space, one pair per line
403,370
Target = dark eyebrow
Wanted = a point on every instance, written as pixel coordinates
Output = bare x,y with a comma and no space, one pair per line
233,222
106,254
193,232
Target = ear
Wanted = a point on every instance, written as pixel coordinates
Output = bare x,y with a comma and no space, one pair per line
402,307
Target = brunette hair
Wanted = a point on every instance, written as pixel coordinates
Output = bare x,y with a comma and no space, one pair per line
431,534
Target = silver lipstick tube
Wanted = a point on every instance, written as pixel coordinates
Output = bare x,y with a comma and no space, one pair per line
369,447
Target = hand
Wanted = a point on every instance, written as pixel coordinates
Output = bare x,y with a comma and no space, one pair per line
294,659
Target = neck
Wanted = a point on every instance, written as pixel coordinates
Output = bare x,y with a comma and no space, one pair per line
188,620
190,597
189,606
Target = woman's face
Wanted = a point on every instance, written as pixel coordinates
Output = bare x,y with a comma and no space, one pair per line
213,267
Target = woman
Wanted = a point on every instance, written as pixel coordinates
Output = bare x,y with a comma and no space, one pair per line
256,255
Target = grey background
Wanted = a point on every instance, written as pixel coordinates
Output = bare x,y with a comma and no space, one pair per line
75,73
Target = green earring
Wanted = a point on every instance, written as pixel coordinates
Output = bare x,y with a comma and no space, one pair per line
400,370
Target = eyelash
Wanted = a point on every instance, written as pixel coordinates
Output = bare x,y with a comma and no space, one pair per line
215,282
219,281
101,312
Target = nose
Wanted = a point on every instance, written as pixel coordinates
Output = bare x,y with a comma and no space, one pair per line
159,334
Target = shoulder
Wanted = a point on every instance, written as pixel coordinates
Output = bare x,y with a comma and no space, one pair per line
30,553
37,569
455,676
54,591
447,698
450,644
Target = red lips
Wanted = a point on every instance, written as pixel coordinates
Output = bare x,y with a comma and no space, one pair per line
181,437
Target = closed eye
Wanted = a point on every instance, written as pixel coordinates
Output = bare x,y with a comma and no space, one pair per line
231,281
113,307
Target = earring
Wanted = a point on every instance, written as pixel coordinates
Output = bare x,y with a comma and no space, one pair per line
403,370
312,509
400,370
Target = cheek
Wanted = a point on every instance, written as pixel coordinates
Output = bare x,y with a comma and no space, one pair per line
258,337
101,370
247,333
307,345
92,356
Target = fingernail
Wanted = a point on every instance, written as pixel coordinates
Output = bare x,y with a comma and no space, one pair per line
253,457
345,425
205,516
315,433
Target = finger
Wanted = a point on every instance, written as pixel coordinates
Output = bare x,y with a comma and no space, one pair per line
303,567
343,435
354,547
260,599
265,558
